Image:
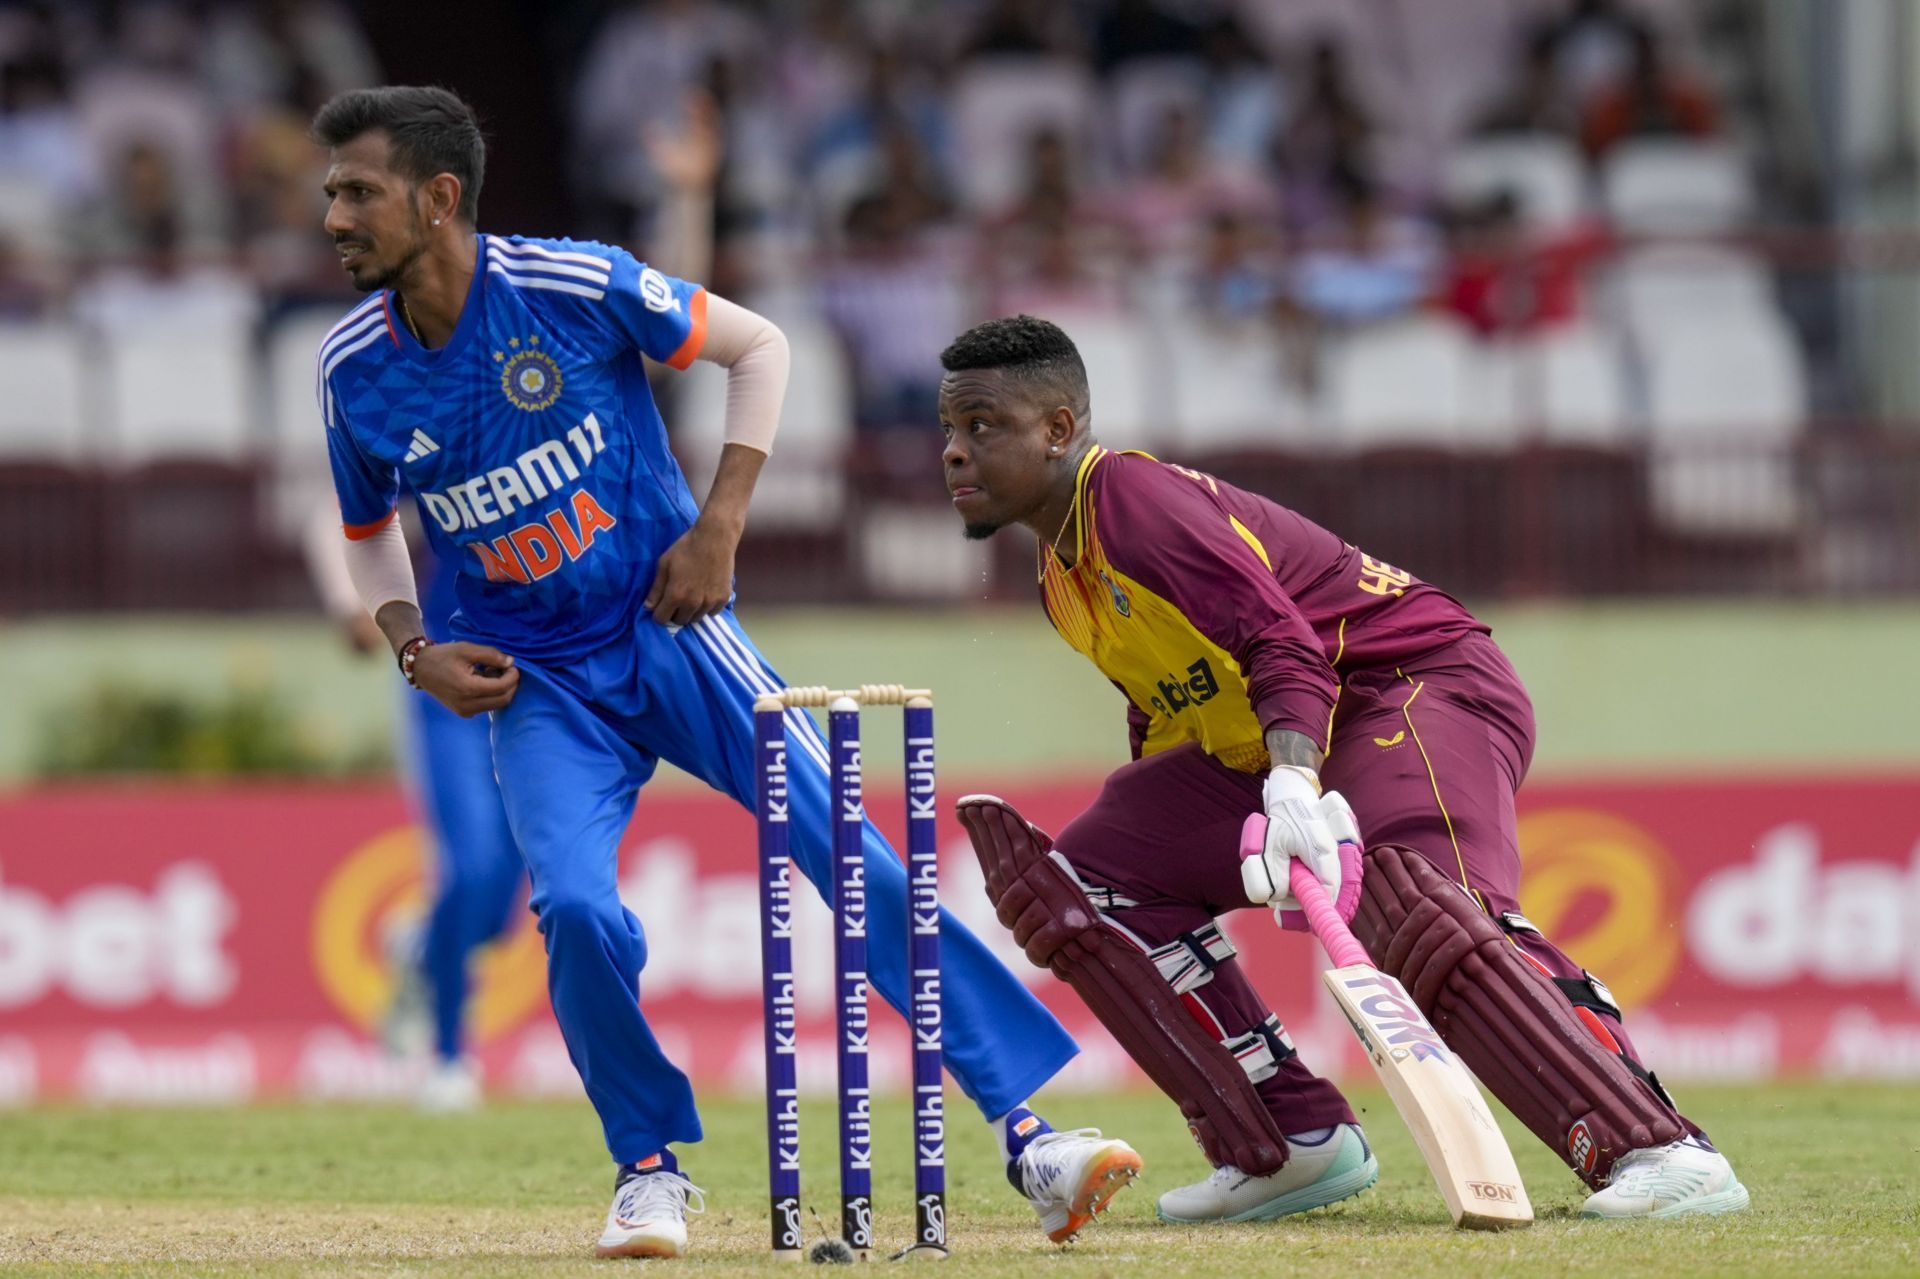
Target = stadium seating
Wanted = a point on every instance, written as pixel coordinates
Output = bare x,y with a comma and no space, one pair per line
1669,286
1725,403
1406,382
807,488
174,394
1544,172
1563,385
30,214
1229,392
296,443
292,349
1131,403
1138,96
999,104
43,414
1625,420
1676,186
917,553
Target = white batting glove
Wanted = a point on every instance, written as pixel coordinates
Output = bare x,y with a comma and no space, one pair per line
1298,825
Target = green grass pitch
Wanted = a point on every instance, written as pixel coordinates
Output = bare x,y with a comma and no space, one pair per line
521,1190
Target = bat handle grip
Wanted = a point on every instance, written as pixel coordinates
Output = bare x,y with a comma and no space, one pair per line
1322,918
1325,921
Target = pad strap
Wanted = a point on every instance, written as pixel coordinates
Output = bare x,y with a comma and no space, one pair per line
1188,960
1584,991
1262,1050
1104,899
1036,894
1587,991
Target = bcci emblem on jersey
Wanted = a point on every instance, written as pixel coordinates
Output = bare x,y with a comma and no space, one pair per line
530,378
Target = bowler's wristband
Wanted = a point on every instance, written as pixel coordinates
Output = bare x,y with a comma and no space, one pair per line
410,654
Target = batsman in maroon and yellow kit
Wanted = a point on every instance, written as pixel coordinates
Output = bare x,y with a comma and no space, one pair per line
1270,666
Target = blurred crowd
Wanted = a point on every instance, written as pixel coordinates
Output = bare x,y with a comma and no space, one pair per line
154,161
899,167
1231,164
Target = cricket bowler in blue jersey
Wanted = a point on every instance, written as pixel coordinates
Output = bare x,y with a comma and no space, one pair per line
499,380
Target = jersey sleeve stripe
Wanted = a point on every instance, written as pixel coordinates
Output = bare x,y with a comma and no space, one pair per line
346,332
534,266
361,532
688,350
360,311
600,265
559,263
367,338
497,267
341,332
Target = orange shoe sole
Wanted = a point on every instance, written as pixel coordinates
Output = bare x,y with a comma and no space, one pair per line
1105,1179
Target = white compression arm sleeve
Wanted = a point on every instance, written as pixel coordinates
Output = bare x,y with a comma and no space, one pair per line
754,353
327,562
381,569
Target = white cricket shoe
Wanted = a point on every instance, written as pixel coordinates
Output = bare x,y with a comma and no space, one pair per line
649,1216
1679,1180
1321,1169
450,1088
1071,1176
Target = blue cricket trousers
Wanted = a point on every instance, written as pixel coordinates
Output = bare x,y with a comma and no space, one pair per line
573,749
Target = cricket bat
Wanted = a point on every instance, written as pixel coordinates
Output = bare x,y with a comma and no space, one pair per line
1430,1086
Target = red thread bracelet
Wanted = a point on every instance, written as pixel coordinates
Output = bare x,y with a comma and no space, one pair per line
410,654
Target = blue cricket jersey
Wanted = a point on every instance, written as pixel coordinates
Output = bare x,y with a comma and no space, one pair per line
530,440
439,595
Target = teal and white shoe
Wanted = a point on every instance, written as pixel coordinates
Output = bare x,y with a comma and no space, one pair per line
1323,1167
1686,1178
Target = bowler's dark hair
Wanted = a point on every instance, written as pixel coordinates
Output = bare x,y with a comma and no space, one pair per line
432,131
1031,351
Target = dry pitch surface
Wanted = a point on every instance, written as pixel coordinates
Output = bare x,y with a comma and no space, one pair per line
520,1190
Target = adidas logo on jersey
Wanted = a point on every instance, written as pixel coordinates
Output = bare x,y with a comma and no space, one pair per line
422,445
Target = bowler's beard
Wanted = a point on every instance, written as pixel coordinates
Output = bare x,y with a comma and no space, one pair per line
390,277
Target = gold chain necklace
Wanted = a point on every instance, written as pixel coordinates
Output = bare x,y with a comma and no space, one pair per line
406,313
1051,556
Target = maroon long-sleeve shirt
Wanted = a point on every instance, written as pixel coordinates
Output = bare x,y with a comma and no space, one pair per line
1221,614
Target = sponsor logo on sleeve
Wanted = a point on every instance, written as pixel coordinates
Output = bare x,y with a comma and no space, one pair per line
656,292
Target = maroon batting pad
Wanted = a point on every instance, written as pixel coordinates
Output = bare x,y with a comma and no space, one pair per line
1038,897
1506,1019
